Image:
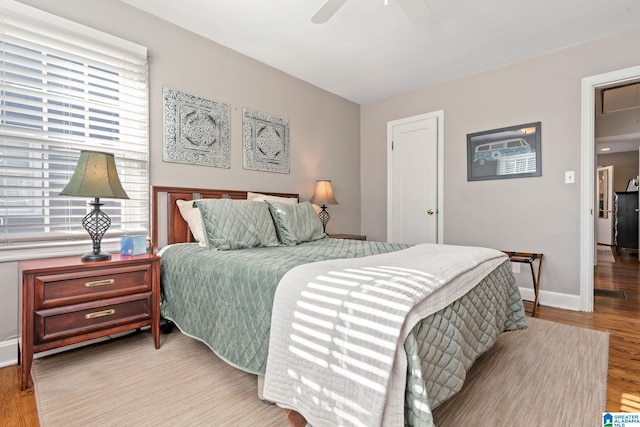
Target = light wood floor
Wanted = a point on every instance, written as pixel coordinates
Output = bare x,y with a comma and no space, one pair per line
620,317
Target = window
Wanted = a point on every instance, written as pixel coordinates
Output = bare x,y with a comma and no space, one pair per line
64,88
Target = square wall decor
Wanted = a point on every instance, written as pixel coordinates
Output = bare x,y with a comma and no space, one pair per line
265,142
196,130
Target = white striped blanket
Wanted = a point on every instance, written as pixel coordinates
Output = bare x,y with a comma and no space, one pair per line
338,327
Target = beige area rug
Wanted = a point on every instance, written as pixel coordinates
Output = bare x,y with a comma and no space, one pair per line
605,254
550,374
127,382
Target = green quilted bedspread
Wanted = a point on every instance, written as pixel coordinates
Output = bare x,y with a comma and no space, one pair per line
442,347
224,299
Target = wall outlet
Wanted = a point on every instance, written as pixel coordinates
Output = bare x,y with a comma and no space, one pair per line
515,267
569,177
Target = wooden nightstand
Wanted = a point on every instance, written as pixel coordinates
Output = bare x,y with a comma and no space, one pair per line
348,236
67,301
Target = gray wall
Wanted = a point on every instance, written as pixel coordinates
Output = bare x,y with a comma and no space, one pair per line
9,313
324,128
540,214
618,123
625,167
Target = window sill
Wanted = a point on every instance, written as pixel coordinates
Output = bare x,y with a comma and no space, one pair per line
79,248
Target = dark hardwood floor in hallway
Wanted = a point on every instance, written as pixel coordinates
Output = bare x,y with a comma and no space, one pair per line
620,317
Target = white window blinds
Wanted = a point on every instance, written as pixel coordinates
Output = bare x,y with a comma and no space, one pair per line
64,88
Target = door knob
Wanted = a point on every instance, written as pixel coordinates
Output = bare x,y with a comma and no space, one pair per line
430,211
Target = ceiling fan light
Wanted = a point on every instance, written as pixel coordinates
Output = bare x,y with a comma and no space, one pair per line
417,10
326,11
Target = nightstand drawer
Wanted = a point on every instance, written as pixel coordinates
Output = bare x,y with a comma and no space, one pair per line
59,323
74,287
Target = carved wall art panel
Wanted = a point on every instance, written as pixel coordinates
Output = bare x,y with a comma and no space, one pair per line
196,130
265,142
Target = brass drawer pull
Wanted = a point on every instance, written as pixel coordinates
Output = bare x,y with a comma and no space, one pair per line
99,283
100,314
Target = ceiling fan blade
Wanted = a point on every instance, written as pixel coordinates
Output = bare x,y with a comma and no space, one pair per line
326,11
417,10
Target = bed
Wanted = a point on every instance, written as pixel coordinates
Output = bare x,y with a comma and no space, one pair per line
239,296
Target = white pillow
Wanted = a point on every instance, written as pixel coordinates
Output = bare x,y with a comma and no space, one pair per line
193,217
259,197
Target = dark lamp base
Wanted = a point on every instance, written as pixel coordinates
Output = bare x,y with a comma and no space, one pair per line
96,223
100,256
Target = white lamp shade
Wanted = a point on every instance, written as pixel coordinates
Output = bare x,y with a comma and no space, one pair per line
323,194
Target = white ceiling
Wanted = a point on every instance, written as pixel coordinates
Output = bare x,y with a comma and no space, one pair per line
618,144
369,51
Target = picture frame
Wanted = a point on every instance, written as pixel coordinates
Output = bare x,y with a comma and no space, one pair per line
265,142
504,153
196,130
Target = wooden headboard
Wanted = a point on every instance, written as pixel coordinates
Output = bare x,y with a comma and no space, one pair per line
176,227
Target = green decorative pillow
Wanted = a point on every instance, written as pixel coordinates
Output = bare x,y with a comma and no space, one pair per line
236,224
295,223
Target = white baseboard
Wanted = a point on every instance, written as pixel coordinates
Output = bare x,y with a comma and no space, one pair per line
9,352
553,299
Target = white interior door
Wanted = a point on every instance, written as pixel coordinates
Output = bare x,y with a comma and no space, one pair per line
414,193
604,206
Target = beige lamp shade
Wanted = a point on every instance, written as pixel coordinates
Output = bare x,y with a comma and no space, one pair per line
323,194
95,176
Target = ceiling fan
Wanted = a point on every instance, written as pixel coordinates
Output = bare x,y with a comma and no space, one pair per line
417,10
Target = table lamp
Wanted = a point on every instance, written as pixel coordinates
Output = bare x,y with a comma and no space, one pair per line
95,176
323,196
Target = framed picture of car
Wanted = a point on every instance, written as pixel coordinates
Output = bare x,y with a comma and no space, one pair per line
509,152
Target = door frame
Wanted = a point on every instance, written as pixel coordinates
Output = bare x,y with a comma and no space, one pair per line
439,116
610,208
588,174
